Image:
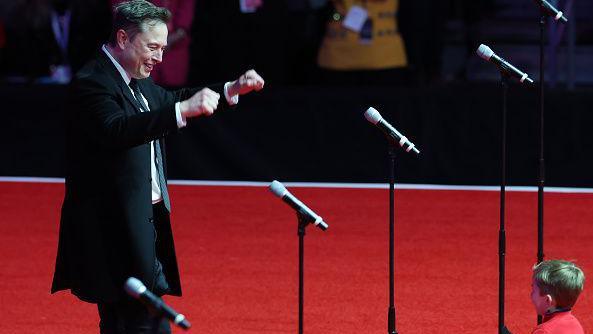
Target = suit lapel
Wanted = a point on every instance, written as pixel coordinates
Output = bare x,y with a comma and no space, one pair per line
128,94
145,92
121,84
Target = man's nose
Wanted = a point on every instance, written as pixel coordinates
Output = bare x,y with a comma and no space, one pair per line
158,56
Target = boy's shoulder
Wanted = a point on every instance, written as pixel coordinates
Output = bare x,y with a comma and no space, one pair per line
560,323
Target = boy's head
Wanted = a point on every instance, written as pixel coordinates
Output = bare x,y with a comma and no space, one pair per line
556,284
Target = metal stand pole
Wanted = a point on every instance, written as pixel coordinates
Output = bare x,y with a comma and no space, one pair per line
541,180
502,233
391,312
301,232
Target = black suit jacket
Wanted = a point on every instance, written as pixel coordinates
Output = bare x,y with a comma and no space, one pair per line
106,233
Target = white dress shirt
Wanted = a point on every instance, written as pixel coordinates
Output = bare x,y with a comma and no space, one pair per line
181,122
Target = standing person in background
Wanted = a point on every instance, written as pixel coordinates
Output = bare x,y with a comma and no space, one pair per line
233,34
3,10
115,216
362,44
305,21
2,40
471,14
173,72
422,24
49,40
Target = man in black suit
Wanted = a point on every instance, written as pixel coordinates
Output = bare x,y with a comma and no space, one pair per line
115,215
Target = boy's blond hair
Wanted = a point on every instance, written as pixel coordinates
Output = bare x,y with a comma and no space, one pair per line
562,280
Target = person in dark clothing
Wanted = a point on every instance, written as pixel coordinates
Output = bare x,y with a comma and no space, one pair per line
115,215
49,40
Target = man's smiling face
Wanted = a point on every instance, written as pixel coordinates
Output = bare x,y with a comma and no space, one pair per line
145,50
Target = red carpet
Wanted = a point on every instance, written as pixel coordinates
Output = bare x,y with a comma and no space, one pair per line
238,253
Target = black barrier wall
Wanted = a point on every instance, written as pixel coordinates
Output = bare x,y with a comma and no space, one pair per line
320,134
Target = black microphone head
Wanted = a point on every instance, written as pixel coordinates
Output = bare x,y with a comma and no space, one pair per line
278,189
134,287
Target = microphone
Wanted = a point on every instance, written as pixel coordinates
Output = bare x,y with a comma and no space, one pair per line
137,290
548,9
487,54
280,191
373,116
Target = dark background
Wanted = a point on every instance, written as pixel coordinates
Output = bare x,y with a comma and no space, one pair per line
302,129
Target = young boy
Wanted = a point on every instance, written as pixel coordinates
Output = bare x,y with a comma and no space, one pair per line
555,288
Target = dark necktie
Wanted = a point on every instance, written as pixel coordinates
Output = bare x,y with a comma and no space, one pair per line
158,156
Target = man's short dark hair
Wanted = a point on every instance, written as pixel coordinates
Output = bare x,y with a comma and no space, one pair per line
135,17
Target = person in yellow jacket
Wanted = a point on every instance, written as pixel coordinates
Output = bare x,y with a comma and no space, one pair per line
362,36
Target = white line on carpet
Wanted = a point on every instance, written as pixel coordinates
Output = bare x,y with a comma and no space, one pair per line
329,185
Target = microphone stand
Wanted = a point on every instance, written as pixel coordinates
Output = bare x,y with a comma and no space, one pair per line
502,329
393,137
541,179
391,311
303,221
541,169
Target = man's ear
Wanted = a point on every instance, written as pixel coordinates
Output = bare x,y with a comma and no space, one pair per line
121,38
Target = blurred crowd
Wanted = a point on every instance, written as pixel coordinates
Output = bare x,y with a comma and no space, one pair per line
290,42
46,40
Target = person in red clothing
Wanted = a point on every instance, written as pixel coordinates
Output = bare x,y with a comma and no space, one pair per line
555,288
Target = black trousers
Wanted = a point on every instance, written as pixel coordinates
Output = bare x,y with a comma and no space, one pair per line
129,316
